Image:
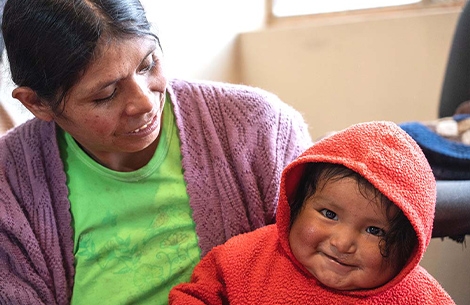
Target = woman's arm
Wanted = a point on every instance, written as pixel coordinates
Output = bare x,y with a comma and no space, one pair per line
13,288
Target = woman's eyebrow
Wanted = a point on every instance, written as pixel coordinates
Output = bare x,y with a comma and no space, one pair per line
150,51
105,83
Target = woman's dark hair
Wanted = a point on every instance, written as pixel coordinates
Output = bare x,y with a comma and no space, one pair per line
400,240
50,43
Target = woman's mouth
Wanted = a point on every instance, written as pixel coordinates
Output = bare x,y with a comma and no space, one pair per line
148,127
154,122
141,128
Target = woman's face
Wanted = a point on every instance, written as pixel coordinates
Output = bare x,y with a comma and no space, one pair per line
115,109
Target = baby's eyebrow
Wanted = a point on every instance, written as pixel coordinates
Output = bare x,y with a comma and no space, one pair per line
380,222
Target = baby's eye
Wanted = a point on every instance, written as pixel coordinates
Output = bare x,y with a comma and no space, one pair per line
375,231
329,214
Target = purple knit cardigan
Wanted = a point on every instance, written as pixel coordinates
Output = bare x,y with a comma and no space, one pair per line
235,139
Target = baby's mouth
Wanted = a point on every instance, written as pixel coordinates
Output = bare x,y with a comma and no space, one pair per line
338,261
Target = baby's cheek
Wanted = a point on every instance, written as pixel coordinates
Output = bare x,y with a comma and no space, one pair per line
373,256
306,238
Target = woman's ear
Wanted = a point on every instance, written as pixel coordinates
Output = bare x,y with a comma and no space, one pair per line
31,101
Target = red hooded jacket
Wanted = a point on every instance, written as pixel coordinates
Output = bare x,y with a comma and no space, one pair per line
259,267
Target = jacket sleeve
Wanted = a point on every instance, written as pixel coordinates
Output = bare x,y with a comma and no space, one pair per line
206,286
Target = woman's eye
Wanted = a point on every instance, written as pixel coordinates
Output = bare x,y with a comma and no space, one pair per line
329,214
375,231
106,99
149,67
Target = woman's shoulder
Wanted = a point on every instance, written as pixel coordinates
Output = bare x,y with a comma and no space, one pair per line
248,99
227,93
26,136
204,85
31,127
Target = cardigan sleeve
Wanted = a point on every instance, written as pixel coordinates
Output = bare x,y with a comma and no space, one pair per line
14,288
36,245
235,142
22,278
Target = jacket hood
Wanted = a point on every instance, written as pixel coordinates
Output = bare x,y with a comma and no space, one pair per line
390,160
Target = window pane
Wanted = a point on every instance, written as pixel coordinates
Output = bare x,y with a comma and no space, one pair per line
283,8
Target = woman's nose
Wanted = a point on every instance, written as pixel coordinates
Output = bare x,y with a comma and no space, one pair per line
140,98
344,240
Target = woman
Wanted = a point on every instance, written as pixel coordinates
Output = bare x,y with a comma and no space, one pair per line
124,180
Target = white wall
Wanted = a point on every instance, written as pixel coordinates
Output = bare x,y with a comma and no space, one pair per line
340,74
449,262
199,38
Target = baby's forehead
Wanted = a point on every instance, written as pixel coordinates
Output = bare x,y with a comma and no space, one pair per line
374,199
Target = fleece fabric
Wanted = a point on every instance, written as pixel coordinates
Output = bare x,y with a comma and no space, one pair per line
235,141
260,268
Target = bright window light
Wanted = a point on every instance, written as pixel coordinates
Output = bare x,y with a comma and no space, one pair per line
284,8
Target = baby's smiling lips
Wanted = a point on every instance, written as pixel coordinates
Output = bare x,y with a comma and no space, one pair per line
338,261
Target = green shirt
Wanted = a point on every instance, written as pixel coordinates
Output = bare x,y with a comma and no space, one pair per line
134,233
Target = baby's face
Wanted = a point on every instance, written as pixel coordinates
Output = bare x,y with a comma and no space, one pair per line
336,237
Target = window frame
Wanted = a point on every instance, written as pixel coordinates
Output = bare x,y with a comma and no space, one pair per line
425,6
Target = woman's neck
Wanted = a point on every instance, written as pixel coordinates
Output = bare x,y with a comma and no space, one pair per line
123,161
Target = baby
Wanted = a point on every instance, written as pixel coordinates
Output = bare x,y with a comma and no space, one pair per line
354,219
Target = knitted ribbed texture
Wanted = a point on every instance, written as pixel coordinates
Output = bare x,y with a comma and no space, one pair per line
259,267
35,235
235,142
235,146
